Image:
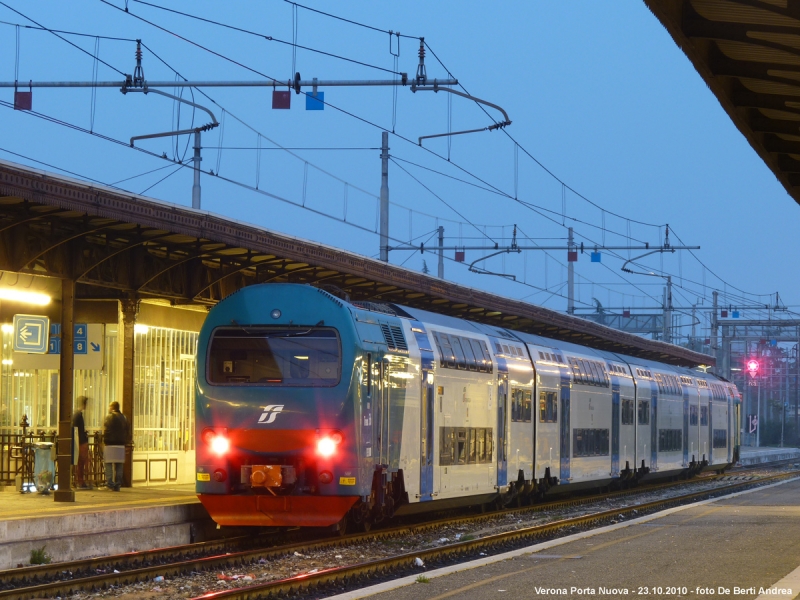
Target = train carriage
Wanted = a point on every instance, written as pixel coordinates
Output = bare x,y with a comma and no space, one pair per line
312,411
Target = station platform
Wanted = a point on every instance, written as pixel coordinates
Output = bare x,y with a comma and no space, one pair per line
99,522
743,546
749,456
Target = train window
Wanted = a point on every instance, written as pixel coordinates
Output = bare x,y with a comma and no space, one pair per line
461,445
489,444
305,357
472,446
692,415
720,438
461,361
541,356
644,412
482,360
548,407
447,446
486,356
594,376
670,440
520,405
704,416
590,442
627,411
472,364
498,347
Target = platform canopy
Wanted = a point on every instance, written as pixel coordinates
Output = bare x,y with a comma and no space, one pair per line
748,52
117,245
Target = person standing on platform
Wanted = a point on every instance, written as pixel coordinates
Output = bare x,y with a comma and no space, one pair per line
82,438
115,436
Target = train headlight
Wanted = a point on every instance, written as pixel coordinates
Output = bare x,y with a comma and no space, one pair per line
326,447
220,445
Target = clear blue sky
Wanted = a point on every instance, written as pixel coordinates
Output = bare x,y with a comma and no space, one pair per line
597,92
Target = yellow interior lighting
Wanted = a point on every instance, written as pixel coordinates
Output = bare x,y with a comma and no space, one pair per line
35,298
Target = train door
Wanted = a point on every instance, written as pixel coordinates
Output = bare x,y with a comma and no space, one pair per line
426,437
502,428
564,437
381,402
615,423
685,425
654,430
710,433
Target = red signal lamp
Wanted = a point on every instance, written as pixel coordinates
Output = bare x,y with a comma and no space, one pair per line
327,445
752,367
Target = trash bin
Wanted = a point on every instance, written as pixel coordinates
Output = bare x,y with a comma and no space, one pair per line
44,468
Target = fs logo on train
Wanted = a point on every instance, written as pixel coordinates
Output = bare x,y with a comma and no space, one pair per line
269,414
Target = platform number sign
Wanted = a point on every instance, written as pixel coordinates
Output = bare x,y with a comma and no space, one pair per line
80,340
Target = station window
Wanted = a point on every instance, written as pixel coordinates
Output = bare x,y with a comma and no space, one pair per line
692,415
720,438
590,442
520,405
670,440
548,407
704,416
627,411
644,412
465,445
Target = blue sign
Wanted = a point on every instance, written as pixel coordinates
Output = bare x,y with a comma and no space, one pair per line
55,329
315,101
79,346
31,334
596,257
54,347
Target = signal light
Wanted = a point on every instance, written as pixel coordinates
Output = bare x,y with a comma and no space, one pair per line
752,367
220,475
325,477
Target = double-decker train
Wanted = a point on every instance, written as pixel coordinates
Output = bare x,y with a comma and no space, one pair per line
315,411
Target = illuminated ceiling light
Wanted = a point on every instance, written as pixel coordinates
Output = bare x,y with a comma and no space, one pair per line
35,298
8,328
301,357
141,329
8,361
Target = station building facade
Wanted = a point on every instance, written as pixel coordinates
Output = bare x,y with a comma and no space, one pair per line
164,346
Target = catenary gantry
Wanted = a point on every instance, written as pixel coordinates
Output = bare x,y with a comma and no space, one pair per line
116,245
748,52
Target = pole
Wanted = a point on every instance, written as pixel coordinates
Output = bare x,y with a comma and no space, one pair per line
441,252
197,159
65,493
570,276
384,207
713,336
758,415
667,330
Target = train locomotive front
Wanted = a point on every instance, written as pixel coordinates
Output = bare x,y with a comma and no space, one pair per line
276,409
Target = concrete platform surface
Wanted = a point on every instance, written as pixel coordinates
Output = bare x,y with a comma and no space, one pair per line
747,546
756,456
99,522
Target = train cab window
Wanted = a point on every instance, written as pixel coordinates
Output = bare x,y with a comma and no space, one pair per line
692,415
627,411
704,416
304,357
644,412
520,405
548,407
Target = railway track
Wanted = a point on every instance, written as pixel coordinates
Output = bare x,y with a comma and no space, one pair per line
62,579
